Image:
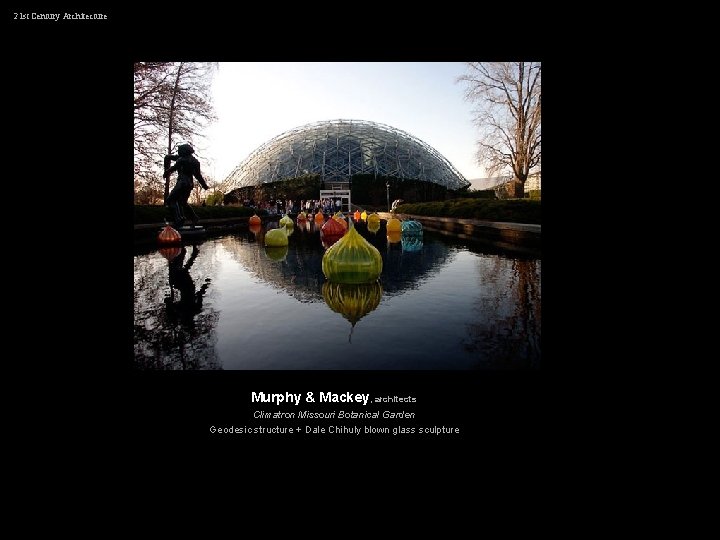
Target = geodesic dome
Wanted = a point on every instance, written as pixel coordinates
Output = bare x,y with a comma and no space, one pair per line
339,149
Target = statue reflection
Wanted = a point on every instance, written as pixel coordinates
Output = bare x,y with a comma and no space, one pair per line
186,326
189,300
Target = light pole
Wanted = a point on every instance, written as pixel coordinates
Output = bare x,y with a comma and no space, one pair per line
387,187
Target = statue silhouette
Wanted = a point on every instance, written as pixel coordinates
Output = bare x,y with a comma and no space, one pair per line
187,167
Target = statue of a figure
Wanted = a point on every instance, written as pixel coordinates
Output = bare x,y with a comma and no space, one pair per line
186,166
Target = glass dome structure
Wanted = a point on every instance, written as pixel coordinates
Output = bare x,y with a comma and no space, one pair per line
338,149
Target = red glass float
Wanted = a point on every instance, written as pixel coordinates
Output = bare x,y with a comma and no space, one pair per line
334,227
329,239
340,218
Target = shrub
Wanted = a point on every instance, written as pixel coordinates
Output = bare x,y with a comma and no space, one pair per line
510,210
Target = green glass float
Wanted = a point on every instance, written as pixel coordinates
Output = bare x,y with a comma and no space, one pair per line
411,227
276,238
373,226
276,253
372,218
393,225
352,259
285,221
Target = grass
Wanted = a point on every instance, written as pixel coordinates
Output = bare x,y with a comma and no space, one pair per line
509,210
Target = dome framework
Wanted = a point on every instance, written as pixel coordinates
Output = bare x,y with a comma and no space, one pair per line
339,149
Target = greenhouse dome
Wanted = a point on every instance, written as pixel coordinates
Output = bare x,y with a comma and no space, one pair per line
337,150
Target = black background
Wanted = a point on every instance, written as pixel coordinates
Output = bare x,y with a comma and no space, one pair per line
71,87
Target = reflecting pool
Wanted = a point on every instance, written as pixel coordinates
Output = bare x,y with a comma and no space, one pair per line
229,302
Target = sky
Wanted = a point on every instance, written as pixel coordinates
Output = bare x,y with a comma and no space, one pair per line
256,101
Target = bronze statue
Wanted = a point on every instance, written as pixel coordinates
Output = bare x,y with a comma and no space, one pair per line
186,166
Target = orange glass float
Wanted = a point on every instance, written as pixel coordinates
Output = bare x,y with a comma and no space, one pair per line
393,225
169,236
356,215
255,220
394,237
319,217
170,252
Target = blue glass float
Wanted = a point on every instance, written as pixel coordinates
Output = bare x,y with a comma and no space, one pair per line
412,227
412,243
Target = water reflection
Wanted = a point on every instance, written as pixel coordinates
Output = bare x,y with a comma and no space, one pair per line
507,331
301,273
276,254
412,243
184,302
352,301
439,304
176,332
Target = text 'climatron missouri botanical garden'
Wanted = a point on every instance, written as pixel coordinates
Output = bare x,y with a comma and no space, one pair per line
339,149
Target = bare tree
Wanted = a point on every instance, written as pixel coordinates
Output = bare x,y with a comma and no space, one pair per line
508,115
171,102
197,194
186,107
150,79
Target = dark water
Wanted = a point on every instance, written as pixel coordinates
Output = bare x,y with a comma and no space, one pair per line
235,304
